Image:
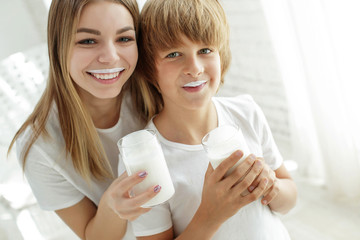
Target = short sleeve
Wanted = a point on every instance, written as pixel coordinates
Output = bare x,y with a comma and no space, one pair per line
51,188
156,221
270,150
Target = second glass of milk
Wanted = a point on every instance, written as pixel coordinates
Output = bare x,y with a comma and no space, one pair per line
141,151
221,142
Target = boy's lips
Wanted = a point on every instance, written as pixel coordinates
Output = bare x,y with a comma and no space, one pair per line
195,83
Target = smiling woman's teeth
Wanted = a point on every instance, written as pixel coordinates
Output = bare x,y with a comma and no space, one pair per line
105,76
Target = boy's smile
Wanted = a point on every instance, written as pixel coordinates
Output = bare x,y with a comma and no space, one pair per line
188,75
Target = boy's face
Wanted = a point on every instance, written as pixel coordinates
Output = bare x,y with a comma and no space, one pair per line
188,75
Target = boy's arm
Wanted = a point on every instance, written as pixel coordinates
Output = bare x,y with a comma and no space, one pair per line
286,190
221,198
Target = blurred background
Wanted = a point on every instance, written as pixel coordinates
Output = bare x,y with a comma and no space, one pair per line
299,59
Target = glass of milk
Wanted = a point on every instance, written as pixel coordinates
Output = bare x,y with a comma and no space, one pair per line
141,151
221,142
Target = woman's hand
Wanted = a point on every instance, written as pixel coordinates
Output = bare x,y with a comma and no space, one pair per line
118,199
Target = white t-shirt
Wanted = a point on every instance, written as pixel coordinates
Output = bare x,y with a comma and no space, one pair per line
50,172
187,165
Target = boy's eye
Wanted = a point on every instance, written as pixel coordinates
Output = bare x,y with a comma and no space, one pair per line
87,41
205,51
173,55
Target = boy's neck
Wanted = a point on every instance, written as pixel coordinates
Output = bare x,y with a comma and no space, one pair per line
186,126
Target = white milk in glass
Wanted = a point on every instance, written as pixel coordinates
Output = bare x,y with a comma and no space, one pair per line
141,151
221,142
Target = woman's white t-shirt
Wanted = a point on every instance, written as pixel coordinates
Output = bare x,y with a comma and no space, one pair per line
50,172
187,165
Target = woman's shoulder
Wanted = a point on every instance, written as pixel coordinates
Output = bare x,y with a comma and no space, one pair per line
51,140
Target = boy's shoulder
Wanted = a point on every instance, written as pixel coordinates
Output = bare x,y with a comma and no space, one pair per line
243,101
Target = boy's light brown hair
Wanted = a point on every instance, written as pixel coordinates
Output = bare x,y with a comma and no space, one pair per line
161,26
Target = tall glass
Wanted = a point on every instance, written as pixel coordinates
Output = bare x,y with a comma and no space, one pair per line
221,142
141,151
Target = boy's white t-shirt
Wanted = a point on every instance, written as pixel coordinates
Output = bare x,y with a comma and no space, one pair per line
50,172
187,165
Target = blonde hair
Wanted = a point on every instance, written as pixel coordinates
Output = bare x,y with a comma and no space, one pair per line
81,139
161,27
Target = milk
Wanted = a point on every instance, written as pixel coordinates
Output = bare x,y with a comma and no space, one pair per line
221,142
141,151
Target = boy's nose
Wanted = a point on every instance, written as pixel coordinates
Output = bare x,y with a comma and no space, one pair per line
193,67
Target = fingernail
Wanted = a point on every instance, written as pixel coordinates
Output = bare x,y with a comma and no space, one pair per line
264,202
251,188
142,174
259,163
239,153
157,188
252,156
266,181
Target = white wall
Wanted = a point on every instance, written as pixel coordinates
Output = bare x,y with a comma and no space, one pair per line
254,68
22,25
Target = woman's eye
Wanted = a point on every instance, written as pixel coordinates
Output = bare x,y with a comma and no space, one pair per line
173,55
125,39
87,41
205,51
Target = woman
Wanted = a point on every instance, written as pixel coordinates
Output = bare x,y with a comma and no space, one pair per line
67,146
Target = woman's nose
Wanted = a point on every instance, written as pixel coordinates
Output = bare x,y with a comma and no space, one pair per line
108,54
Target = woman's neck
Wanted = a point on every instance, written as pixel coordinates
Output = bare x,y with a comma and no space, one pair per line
105,113
186,126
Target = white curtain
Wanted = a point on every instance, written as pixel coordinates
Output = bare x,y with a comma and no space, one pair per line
317,43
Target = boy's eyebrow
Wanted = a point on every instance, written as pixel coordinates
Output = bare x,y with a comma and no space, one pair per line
96,32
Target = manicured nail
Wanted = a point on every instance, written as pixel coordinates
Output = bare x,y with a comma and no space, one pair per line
258,162
252,156
157,188
251,188
264,202
142,174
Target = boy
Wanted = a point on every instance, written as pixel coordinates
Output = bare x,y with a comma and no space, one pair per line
185,54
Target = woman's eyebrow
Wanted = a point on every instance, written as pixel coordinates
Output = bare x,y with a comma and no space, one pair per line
96,32
88,30
124,29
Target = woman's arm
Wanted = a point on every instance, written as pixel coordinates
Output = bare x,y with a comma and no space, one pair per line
109,219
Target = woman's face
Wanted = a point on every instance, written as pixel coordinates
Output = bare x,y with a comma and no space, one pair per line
104,53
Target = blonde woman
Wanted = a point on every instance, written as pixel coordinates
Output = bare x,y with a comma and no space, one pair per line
67,146
183,65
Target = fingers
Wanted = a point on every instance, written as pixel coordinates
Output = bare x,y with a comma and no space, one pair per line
142,198
229,162
240,171
268,173
258,192
271,194
127,183
249,178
